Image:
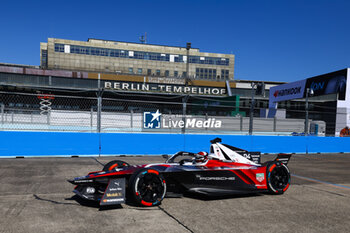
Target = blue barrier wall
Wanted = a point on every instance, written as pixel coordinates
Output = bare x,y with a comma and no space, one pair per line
67,144
48,143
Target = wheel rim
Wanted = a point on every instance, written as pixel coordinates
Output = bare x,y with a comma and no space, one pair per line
279,178
150,188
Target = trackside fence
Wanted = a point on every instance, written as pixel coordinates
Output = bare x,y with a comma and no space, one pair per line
77,113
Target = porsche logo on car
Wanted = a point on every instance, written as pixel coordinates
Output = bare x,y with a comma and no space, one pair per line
208,178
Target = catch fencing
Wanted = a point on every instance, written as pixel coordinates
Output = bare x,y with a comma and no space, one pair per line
83,112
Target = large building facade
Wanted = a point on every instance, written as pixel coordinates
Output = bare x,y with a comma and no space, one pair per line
107,56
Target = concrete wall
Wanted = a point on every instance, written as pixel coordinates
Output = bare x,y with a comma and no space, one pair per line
14,143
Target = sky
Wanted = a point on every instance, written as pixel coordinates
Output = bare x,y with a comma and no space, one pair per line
277,40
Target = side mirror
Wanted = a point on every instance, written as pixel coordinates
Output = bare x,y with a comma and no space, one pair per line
165,156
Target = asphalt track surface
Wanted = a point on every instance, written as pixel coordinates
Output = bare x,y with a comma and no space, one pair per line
35,197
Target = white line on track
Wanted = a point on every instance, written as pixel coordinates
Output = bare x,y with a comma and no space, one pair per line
322,182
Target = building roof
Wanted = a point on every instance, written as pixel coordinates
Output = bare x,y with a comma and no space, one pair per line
140,43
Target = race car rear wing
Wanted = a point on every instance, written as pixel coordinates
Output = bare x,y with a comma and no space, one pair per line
253,156
283,158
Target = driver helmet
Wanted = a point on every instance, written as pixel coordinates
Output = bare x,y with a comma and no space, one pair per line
201,157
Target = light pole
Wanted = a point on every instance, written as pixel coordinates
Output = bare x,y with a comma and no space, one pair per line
252,111
185,98
260,90
188,47
309,92
184,110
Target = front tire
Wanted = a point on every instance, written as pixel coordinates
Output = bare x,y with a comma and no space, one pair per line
147,187
278,177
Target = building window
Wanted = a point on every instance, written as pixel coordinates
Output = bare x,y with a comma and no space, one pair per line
149,71
158,72
205,73
225,74
176,73
59,48
139,70
184,74
131,70
86,50
166,74
44,58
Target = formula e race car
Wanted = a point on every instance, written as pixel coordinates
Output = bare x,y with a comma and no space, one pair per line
225,170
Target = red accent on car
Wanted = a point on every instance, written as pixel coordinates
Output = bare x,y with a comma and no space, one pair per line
243,176
160,165
153,171
286,187
46,96
126,171
272,167
146,203
93,173
112,167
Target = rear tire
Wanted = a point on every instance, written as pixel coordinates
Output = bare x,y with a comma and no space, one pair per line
115,164
147,187
278,177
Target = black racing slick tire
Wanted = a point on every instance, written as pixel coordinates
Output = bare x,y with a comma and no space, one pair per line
115,164
147,187
278,177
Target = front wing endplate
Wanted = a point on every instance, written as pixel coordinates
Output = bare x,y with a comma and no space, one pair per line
115,192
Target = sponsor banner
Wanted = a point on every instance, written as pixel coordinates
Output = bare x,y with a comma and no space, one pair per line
320,85
155,120
328,84
163,88
286,91
115,192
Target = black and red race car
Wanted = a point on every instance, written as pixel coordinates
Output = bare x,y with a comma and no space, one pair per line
225,170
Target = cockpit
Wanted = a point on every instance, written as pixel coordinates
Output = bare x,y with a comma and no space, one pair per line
188,158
